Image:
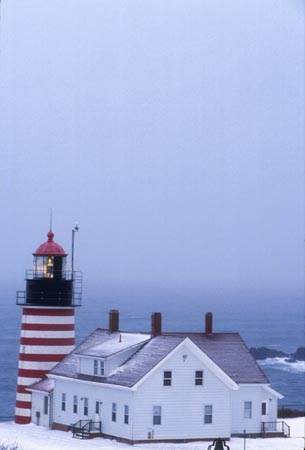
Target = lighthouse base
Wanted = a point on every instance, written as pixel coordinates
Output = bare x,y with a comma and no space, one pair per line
47,336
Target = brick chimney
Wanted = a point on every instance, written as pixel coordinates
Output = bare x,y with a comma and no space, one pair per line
113,320
156,324
209,324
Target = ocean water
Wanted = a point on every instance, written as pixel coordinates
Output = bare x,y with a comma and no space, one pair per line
281,328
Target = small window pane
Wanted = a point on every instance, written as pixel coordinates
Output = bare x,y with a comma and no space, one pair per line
63,402
264,408
208,414
97,407
95,367
86,406
167,379
46,405
102,368
126,414
75,404
199,378
248,410
113,415
157,415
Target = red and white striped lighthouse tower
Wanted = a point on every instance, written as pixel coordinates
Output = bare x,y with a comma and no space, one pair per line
47,329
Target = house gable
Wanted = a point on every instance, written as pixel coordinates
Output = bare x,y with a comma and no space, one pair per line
171,388
203,359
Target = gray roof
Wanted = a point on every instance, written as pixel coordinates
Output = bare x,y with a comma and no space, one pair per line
109,344
44,385
227,350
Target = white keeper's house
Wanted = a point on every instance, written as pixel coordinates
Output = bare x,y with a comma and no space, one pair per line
157,386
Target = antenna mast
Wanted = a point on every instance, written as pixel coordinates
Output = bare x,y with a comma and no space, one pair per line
51,212
74,230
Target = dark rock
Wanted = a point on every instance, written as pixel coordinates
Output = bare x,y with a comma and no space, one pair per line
299,355
264,353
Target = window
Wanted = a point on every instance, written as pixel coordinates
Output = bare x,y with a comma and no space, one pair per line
167,378
208,414
63,402
113,415
44,266
46,404
97,407
157,415
126,414
264,409
198,378
98,367
248,410
95,367
86,406
75,404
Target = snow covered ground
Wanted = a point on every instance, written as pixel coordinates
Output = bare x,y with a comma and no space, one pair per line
31,437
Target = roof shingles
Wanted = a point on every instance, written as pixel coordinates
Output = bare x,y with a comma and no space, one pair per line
227,350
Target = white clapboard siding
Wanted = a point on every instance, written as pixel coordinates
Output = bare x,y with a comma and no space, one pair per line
255,394
182,404
106,395
38,407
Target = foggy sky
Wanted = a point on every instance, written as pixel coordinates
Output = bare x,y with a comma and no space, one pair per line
172,131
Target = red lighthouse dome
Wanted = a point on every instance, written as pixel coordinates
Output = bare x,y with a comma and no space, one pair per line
50,248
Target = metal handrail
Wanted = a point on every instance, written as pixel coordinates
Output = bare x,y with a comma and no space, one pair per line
84,427
278,426
21,298
42,295
32,274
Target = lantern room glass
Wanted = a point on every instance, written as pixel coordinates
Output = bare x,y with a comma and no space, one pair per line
43,267
49,267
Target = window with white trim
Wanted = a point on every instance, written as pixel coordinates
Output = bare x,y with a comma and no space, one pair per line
46,405
126,414
247,410
167,378
63,402
97,407
95,366
113,413
157,415
98,367
75,404
199,378
86,406
264,408
208,414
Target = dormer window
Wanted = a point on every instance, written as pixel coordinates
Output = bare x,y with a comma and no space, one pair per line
98,367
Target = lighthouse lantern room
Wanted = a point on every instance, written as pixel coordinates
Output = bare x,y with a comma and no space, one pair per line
48,328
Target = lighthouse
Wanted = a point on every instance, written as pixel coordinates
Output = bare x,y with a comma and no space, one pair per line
48,326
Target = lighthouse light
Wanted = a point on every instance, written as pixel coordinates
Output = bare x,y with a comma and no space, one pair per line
48,267
44,267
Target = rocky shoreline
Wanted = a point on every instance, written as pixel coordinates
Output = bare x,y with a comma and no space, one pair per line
262,353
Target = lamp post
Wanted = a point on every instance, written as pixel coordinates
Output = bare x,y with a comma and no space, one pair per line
245,439
75,229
